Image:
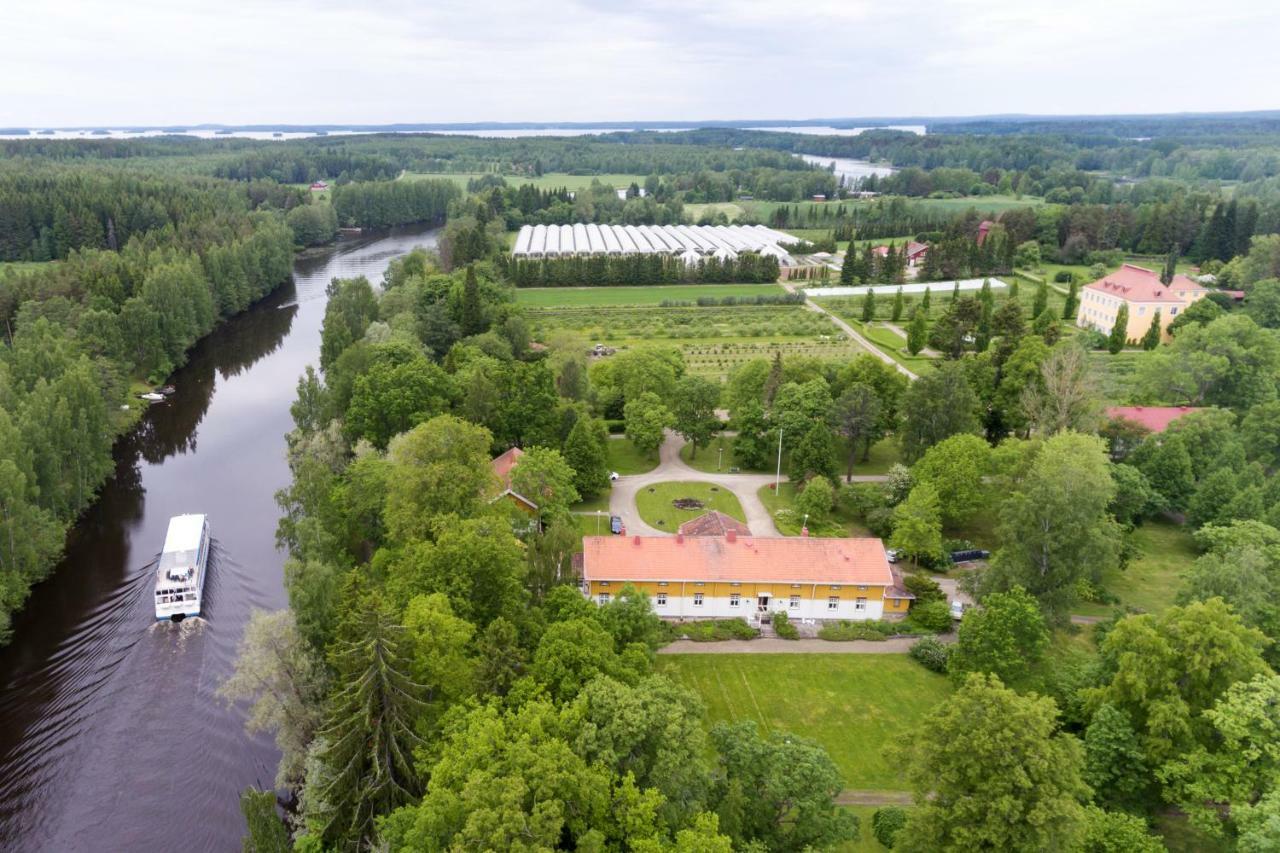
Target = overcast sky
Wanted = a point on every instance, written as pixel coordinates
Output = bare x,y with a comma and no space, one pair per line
70,62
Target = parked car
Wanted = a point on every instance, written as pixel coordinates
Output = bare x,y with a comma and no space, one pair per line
615,524
892,555
957,610
613,475
969,555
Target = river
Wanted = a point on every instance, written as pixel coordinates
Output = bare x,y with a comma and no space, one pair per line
848,171
111,737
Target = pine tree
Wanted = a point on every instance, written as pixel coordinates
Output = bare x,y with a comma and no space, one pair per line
869,305
898,304
1072,303
472,315
848,269
1119,331
869,267
365,761
1151,339
924,303
1042,299
918,331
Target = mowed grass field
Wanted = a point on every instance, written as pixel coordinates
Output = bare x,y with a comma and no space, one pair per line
550,181
1153,578
853,705
578,297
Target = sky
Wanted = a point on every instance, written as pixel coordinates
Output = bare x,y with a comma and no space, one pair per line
89,62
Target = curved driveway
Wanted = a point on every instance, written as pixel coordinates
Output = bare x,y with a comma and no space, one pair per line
622,499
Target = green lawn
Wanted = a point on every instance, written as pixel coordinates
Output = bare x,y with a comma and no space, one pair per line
1181,837
893,345
1154,577
885,453
552,297
790,523
654,503
711,460
625,459
1116,373
600,502
866,842
854,705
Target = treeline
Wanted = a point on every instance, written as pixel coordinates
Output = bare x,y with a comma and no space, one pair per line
387,203
48,211
75,333
747,267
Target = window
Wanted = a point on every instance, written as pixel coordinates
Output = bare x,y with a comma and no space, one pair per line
795,602
833,602
604,598
662,599
662,583
603,583
697,599
1142,309
1173,311
860,605
862,586
895,601
734,599
834,587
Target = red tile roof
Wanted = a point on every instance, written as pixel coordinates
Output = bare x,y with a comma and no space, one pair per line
914,249
1139,284
898,590
714,523
800,559
1154,418
503,464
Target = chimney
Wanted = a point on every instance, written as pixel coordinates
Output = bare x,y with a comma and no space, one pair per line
635,540
679,538
622,530
804,531
731,536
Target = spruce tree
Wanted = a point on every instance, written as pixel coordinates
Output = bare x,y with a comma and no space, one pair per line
1119,331
1170,267
365,761
472,314
869,305
869,269
1073,301
898,304
587,458
924,303
1013,290
918,331
1151,339
1042,299
848,268
955,292
773,381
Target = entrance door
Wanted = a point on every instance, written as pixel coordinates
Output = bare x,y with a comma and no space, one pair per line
762,604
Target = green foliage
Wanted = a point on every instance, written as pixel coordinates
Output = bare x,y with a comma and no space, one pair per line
1151,339
693,410
584,451
815,455
886,823
936,406
1117,337
629,618
917,525
1115,766
932,616
313,224
859,418
543,476
1006,637
990,770
647,419
265,831
347,314
956,467
783,628
930,653
1117,832
1230,362
918,329
924,588
844,630
715,630
817,499
389,399
779,792
438,467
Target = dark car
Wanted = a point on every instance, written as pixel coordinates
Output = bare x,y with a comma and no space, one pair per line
615,524
969,555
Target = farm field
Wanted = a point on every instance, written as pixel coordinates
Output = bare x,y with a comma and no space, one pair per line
761,211
655,507
550,181
553,297
1115,373
853,705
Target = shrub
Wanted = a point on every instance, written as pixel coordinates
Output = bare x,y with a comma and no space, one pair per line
932,617
714,630
846,629
931,654
887,822
783,628
924,588
1063,277
880,522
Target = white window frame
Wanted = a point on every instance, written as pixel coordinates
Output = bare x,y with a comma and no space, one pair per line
833,602
735,599
662,599
794,603
603,598
860,605
697,599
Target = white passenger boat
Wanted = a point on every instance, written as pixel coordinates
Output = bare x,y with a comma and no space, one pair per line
180,575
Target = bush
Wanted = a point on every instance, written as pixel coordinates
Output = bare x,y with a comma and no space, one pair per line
880,522
846,629
887,822
933,617
1063,277
715,630
783,628
924,588
931,654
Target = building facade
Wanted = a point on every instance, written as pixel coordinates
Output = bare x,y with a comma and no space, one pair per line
718,577
1144,293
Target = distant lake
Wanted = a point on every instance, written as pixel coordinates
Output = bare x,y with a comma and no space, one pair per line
847,170
490,132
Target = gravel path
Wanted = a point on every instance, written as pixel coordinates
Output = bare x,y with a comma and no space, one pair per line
622,499
854,335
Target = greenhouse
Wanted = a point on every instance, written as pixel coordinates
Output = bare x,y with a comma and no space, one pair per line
723,242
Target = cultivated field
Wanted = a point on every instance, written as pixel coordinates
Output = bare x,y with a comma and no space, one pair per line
550,297
854,705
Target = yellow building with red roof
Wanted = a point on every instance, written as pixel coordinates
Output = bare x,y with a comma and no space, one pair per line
1144,293
689,577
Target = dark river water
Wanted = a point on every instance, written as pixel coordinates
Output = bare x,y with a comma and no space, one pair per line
111,737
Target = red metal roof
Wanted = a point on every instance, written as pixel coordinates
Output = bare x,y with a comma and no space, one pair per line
714,523
503,464
1138,284
799,559
1154,418
914,249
